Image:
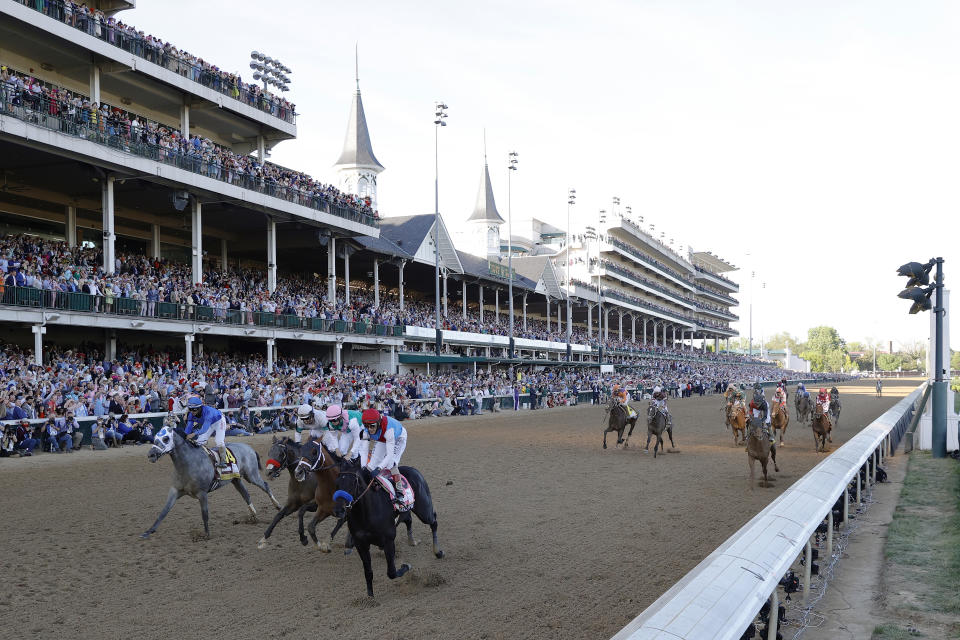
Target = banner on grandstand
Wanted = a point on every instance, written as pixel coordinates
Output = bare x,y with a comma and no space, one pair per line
498,270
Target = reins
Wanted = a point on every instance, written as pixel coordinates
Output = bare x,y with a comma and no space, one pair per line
362,493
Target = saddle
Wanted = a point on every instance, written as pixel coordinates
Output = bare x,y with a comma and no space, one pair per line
406,501
222,474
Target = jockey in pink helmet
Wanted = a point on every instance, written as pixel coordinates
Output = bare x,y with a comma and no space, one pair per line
342,432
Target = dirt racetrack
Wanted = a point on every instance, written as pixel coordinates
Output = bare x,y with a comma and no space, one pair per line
546,535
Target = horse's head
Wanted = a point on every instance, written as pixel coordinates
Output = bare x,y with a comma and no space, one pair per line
350,485
311,459
163,443
282,455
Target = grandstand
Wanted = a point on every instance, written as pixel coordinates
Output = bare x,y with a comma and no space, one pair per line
139,206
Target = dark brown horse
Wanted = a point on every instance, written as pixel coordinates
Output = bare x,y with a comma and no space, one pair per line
284,454
821,429
760,448
780,420
315,458
617,420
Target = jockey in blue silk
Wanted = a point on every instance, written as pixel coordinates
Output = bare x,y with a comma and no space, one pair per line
202,420
381,443
802,391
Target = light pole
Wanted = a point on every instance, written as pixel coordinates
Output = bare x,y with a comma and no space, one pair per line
270,71
439,121
571,199
602,217
511,167
919,274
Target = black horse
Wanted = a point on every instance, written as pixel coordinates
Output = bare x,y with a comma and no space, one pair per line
370,515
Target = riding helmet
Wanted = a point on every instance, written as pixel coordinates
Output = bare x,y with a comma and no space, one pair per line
334,412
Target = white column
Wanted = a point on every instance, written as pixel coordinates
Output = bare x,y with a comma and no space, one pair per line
196,229
38,331
673,342
271,255
185,119
445,298
654,333
547,298
393,359
496,304
524,310
704,344
605,320
346,273
332,269
664,335
261,148
154,241
270,345
633,328
109,263
716,343
94,90
559,321
71,227
223,254
481,302
644,331
402,264
621,324
589,320
464,287
376,285
339,356
188,347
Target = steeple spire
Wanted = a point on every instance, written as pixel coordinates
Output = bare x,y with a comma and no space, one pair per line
356,64
357,166
486,208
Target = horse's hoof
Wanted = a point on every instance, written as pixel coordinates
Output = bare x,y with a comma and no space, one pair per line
411,542
604,446
347,551
145,535
626,445
303,540
324,547
403,569
440,555
262,543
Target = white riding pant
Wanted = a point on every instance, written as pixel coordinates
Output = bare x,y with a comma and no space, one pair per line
219,431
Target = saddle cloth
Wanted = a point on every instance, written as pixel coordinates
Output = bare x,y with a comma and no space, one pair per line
406,503
223,474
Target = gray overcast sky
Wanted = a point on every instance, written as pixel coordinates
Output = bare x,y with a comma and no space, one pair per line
820,137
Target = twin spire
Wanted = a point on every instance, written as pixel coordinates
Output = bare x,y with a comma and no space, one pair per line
357,150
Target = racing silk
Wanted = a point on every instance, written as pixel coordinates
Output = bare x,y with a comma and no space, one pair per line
209,416
760,410
345,437
383,448
824,401
317,429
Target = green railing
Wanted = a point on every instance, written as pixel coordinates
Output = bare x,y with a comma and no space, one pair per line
110,305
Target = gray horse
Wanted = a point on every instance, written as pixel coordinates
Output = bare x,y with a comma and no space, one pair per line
804,407
193,474
656,424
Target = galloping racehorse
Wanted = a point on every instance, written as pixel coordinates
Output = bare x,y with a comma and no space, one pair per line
194,475
821,429
737,420
835,406
617,420
284,454
368,509
316,458
804,406
759,448
655,426
779,420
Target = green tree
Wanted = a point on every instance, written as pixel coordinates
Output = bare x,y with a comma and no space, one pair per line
955,359
782,340
888,361
824,339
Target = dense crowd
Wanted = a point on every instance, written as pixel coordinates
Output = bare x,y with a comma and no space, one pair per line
77,115
79,383
94,22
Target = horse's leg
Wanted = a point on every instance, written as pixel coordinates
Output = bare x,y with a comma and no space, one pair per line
363,550
751,460
390,551
670,433
433,530
260,482
763,465
286,510
204,513
605,438
311,507
406,519
336,528
246,497
322,513
172,498
312,529
649,435
773,456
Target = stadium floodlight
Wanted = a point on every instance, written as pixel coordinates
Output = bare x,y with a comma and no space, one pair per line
440,117
919,274
255,55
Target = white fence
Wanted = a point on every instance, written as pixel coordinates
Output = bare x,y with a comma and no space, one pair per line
720,597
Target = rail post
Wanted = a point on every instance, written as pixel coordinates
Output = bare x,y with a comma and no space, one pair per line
830,533
807,562
846,507
772,622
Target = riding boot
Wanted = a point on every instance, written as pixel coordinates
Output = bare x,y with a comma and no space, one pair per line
397,491
222,451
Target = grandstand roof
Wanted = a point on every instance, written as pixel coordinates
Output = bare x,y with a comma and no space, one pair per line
357,150
486,208
410,233
540,269
479,268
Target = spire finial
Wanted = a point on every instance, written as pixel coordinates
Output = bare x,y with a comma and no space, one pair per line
484,145
356,63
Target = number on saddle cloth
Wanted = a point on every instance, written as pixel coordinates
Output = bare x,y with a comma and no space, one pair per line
406,503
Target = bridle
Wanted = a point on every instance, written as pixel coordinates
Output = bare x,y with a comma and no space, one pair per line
320,457
359,481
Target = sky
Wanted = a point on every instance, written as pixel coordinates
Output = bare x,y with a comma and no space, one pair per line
812,144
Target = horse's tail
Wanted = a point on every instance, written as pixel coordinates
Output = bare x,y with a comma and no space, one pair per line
259,465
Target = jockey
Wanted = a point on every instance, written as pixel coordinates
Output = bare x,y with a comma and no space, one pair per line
342,430
659,403
802,391
620,397
730,394
202,420
760,410
312,419
780,398
385,439
823,401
